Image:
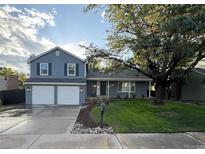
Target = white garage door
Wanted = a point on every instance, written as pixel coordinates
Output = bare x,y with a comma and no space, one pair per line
68,95
43,95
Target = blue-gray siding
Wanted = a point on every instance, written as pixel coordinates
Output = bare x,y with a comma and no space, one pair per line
194,88
82,94
28,94
57,74
57,70
57,65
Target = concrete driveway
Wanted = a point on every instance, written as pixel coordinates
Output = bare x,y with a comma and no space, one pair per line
49,127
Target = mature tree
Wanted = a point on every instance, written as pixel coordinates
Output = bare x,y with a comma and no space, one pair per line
6,71
163,42
93,63
22,78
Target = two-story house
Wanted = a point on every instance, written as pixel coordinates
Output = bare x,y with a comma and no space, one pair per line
59,77
56,77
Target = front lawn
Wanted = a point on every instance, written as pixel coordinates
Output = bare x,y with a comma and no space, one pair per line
129,116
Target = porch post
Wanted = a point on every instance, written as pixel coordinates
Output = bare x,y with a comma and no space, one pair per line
149,89
98,88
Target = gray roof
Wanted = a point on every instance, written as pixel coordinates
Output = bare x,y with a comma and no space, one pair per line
60,80
120,74
200,70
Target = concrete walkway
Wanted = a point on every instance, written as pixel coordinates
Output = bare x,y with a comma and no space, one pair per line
47,127
103,141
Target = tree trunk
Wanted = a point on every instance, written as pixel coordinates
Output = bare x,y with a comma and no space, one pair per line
159,93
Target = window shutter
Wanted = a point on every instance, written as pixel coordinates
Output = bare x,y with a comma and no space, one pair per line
77,69
65,69
86,67
50,69
38,68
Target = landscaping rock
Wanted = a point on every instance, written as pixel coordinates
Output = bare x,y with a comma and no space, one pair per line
81,129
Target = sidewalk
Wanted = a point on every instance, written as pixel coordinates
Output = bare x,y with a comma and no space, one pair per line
49,127
104,141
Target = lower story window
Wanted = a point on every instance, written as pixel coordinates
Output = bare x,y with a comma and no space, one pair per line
126,86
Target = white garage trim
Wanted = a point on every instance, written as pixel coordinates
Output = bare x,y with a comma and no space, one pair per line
68,95
42,94
54,83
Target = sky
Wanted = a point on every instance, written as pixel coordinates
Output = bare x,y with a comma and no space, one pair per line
32,29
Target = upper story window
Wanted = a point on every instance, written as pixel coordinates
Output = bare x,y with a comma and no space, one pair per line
126,86
71,69
43,68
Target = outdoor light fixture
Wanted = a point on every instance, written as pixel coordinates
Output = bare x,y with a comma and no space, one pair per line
81,90
28,89
94,86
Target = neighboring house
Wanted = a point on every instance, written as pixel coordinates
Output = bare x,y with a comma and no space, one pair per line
9,83
59,77
194,88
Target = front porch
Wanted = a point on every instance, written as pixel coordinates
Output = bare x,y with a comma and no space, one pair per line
118,89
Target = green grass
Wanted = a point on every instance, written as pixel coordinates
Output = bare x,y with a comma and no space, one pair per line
129,116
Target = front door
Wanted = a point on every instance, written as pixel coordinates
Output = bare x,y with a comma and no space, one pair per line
103,88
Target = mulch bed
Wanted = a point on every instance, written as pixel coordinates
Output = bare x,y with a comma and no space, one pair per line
84,116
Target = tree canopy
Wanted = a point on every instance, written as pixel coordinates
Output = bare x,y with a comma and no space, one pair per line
6,71
163,42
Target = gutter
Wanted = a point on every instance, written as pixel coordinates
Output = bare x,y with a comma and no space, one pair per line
54,83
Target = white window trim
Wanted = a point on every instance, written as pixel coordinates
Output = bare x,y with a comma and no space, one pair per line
40,68
126,91
74,69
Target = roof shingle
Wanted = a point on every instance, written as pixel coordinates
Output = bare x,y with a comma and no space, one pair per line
60,80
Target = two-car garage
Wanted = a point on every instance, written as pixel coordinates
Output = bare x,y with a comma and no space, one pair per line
61,95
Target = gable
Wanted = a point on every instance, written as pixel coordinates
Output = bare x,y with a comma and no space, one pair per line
57,64
54,50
